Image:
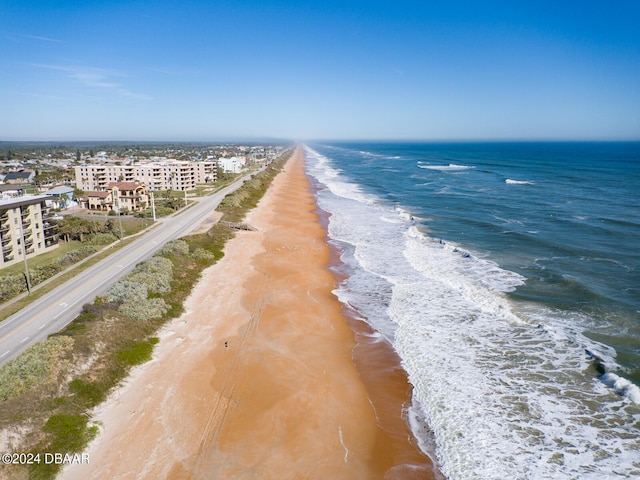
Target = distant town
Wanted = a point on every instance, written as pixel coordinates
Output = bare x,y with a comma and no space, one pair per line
39,183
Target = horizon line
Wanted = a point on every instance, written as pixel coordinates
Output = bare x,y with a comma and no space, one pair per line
331,140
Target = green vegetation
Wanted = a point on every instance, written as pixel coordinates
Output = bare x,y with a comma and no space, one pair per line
156,274
144,310
12,307
179,247
43,259
70,434
236,205
13,284
138,352
40,364
94,353
83,237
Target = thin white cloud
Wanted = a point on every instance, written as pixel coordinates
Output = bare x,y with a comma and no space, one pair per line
43,96
94,77
36,37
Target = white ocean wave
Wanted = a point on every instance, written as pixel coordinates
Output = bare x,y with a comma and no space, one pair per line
509,181
452,167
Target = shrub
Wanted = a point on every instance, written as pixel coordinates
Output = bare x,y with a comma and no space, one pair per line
163,211
102,238
143,310
38,364
202,254
12,285
156,273
155,283
174,247
126,290
157,264
75,256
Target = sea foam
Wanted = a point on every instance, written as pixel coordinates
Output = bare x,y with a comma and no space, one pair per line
509,181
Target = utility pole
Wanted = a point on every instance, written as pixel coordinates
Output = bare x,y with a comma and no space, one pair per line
26,264
117,205
153,206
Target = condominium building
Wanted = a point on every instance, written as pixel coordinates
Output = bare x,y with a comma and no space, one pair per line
24,228
165,175
232,165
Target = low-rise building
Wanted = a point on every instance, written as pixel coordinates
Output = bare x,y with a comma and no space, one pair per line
119,196
22,176
25,229
62,197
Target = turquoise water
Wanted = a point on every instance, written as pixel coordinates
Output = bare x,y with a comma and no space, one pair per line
507,277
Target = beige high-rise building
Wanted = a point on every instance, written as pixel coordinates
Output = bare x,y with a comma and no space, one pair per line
166,175
25,229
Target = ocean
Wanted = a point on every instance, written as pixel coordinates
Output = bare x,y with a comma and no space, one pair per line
507,278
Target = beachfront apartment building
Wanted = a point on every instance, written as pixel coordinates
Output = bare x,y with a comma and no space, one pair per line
163,175
232,165
25,229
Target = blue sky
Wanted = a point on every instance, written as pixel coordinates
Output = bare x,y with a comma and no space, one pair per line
198,70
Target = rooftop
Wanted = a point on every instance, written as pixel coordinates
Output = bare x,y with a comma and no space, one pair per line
24,200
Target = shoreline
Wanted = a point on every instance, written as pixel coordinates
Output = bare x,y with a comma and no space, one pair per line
386,381
256,379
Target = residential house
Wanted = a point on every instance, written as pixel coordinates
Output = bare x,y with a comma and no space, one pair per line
62,197
119,196
23,176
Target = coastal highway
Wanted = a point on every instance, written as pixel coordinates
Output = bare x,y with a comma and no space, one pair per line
56,309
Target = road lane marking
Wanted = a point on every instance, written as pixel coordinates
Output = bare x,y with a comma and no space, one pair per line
24,339
5,353
43,325
64,305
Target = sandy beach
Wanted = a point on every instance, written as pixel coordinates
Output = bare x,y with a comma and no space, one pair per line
257,379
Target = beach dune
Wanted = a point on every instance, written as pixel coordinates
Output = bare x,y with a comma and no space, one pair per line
257,379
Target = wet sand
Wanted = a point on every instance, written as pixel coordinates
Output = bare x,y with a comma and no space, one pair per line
257,379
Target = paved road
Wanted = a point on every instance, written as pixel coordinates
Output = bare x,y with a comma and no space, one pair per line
53,311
